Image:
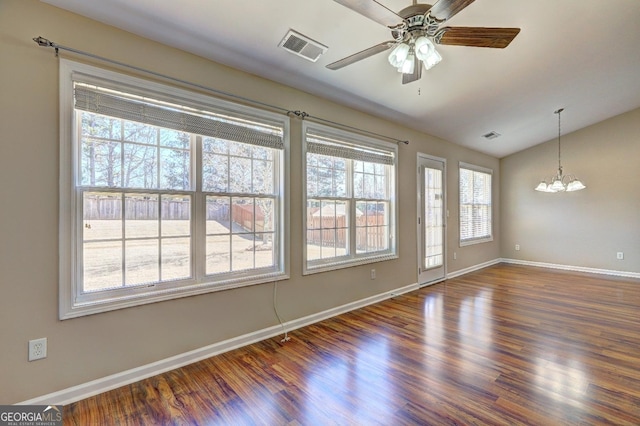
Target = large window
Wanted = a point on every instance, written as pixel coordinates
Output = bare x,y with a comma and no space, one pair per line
164,193
475,204
349,197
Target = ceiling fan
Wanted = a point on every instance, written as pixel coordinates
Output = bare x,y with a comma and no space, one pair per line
415,29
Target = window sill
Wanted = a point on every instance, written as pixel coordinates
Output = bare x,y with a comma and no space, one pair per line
325,267
475,241
79,309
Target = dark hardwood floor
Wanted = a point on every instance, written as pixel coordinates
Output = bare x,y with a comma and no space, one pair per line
506,345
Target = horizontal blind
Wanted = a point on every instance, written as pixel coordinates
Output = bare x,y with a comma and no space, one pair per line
475,203
148,111
325,144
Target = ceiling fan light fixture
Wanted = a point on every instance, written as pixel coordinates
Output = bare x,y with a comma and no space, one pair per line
405,57
423,46
409,64
433,59
399,54
426,52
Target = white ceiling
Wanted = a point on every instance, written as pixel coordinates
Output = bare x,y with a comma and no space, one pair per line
582,55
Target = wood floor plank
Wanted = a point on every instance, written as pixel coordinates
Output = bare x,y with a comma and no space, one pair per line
506,345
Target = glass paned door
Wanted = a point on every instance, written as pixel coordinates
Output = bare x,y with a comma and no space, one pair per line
431,219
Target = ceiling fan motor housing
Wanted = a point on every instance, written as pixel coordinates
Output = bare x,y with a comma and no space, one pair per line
417,22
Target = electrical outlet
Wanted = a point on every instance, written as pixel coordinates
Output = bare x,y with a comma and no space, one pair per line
37,349
455,255
517,247
373,274
620,255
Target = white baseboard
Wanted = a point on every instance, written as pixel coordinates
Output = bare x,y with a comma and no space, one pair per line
473,268
94,387
573,268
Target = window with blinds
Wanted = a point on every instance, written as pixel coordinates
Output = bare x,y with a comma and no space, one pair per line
166,193
350,199
475,204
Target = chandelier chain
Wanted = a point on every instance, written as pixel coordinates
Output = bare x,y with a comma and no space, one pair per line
559,133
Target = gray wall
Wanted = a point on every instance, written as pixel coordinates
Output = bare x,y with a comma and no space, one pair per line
585,228
92,347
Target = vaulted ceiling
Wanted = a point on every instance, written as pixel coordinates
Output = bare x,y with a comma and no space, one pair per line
582,55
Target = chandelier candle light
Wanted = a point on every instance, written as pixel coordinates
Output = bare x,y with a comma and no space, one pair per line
560,182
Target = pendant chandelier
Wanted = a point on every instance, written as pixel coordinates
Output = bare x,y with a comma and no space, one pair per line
560,182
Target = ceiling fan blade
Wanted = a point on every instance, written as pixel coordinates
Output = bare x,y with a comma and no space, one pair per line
446,9
478,36
374,11
378,48
417,73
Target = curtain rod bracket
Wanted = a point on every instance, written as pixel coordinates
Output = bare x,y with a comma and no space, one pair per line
47,43
300,114
44,42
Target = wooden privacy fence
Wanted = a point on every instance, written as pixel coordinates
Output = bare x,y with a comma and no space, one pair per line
110,208
374,238
331,231
243,215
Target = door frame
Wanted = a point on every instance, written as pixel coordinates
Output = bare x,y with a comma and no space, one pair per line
421,158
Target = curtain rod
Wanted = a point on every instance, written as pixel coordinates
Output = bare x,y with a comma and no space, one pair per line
41,41
303,115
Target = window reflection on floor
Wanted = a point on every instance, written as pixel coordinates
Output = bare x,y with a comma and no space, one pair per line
348,379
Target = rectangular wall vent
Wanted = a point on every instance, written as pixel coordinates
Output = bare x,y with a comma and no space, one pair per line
491,135
301,45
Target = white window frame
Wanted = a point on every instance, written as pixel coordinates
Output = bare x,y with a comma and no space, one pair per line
72,302
481,238
353,258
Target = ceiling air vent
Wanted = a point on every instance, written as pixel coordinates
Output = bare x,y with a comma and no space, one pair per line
491,135
301,45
